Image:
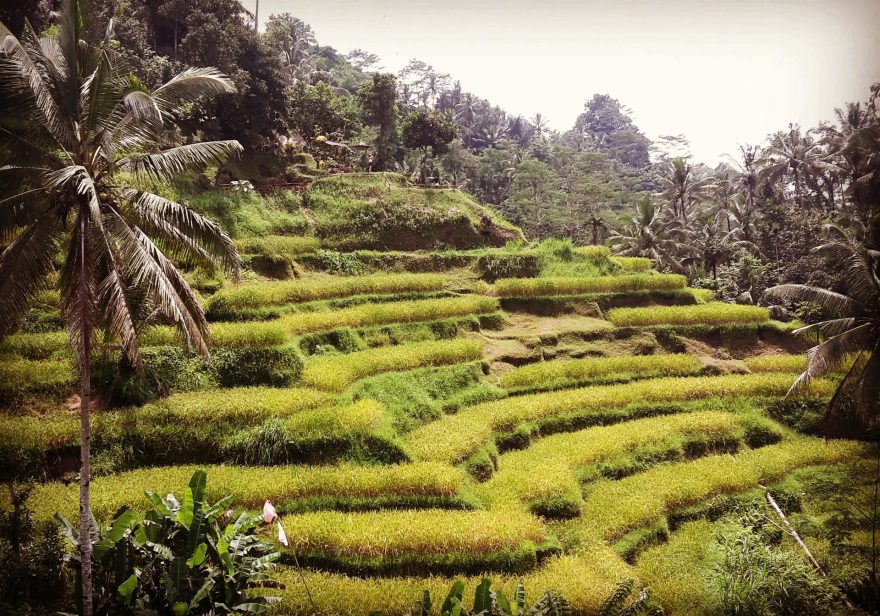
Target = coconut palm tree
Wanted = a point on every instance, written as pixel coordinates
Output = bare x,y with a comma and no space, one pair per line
655,234
852,326
684,186
70,126
792,154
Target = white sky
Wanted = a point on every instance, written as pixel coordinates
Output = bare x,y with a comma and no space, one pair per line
721,72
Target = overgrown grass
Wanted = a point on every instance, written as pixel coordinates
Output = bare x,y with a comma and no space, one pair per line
19,377
474,426
567,372
418,396
35,346
713,313
290,488
541,287
337,373
258,294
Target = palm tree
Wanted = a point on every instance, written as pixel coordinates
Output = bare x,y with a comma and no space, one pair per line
70,125
852,326
793,154
683,186
654,234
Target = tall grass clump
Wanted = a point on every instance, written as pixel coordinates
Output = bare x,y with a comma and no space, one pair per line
336,373
258,294
713,313
564,372
539,287
474,426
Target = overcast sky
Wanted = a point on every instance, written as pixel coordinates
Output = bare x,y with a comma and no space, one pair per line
721,72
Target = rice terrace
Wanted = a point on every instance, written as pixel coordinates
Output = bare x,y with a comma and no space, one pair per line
285,332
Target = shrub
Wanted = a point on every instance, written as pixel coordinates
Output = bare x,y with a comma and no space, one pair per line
539,287
258,294
493,266
275,366
336,373
714,313
474,426
563,372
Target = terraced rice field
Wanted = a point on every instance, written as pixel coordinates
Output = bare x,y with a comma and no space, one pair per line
410,431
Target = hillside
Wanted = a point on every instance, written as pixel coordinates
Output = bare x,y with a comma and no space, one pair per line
551,414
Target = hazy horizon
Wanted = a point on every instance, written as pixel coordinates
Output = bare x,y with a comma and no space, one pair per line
721,73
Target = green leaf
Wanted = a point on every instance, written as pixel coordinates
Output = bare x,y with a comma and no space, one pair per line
426,603
502,602
185,514
203,592
121,524
455,594
251,608
159,503
198,556
483,597
127,587
519,599
197,484
67,529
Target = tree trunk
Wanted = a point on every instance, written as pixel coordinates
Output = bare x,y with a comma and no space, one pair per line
85,522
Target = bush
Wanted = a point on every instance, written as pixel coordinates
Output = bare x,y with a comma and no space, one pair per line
714,313
274,366
539,287
336,373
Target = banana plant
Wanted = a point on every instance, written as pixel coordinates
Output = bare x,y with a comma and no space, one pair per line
492,602
179,560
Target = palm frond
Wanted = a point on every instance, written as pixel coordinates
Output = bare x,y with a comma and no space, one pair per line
190,85
829,355
836,304
190,157
24,266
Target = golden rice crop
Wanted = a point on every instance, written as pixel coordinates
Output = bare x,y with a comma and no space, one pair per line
278,244
391,312
395,533
338,421
262,293
585,580
27,375
247,334
35,346
633,264
545,469
536,287
565,371
713,313
675,571
614,507
777,363
336,373
474,426
251,486
595,252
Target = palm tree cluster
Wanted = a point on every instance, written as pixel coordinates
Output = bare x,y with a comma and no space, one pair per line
80,140
702,218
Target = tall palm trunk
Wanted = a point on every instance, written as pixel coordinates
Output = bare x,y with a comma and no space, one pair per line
85,471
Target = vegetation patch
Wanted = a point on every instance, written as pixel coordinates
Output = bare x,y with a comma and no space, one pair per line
337,373
539,287
20,377
713,313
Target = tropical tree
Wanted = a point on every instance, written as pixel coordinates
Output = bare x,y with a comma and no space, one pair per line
683,186
378,100
852,322
653,233
72,123
292,39
428,129
792,154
